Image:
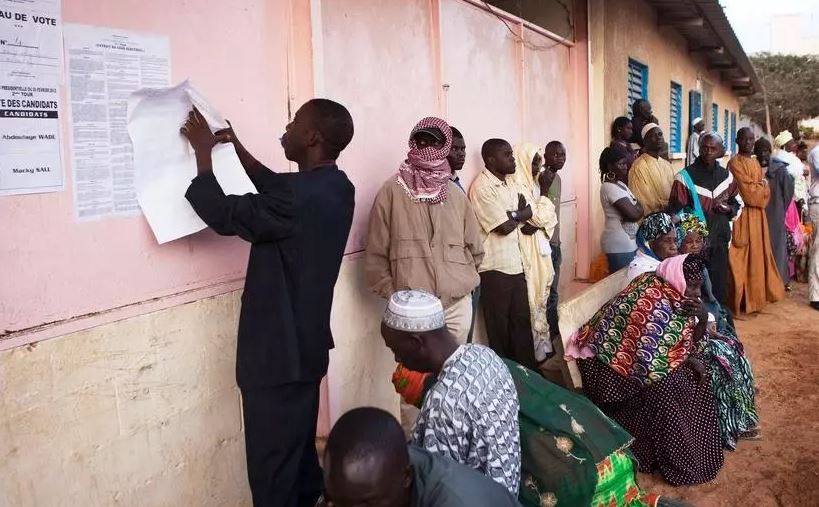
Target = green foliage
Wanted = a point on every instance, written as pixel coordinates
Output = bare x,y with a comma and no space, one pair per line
792,86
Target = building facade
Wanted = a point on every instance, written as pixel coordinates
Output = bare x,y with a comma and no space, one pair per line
681,56
117,355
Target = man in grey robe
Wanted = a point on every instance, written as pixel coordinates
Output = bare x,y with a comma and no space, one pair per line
781,185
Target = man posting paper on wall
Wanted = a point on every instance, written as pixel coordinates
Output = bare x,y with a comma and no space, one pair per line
298,225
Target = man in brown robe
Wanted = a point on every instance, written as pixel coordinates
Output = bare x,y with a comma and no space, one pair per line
756,279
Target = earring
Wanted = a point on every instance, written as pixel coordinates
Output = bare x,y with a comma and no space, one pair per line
610,176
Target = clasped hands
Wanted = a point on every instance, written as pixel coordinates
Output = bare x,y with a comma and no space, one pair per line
522,215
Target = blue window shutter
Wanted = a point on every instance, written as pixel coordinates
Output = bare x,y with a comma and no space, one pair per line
675,113
637,85
725,139
694,107
734,133
644,72
714,118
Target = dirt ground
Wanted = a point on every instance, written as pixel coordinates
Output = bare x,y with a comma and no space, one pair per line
781,469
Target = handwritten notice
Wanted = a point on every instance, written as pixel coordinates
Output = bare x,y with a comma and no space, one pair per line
106,65
30,40
30,70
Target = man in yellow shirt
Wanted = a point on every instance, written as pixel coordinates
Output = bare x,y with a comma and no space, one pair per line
651,176
501,209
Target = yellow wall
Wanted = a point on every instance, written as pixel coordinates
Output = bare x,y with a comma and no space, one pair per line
623,29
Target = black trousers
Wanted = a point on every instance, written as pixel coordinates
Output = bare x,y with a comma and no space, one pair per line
554,297
280,441
505,304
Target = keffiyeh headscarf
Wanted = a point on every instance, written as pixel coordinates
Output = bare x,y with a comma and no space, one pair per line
425,174
652,227
689,223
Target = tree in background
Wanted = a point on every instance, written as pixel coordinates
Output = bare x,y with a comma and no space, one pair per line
792,86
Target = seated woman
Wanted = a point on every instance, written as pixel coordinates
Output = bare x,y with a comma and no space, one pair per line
621,209
656,241
640,365
571,454
731,377
692,238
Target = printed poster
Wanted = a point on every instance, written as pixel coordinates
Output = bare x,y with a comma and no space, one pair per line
106,65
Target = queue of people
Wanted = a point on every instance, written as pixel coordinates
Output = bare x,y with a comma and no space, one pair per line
489,407
667,384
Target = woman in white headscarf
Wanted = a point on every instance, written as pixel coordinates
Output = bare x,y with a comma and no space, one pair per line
534,241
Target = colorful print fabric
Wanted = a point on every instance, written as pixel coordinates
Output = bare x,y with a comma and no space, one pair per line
641,333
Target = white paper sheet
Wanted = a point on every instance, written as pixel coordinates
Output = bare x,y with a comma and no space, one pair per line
105,65
30,41
164,161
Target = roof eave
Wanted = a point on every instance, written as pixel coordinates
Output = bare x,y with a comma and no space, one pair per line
707,30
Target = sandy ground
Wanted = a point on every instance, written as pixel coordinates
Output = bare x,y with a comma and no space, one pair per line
782,469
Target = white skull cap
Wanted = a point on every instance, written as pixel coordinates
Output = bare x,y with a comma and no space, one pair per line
414,311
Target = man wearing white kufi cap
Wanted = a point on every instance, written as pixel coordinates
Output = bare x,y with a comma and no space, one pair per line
470,414
693,151
651,176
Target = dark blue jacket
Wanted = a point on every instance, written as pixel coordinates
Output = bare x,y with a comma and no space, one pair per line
297,225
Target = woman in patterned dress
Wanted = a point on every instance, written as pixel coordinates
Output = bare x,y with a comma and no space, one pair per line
731,377
640,365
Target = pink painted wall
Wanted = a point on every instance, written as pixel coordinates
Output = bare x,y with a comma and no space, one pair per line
378,61
449,58
387,61
55,268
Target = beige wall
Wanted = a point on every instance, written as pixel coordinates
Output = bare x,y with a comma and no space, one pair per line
623,29
143,411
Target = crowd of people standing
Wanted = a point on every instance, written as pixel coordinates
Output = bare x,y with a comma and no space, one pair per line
757,208
667,385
